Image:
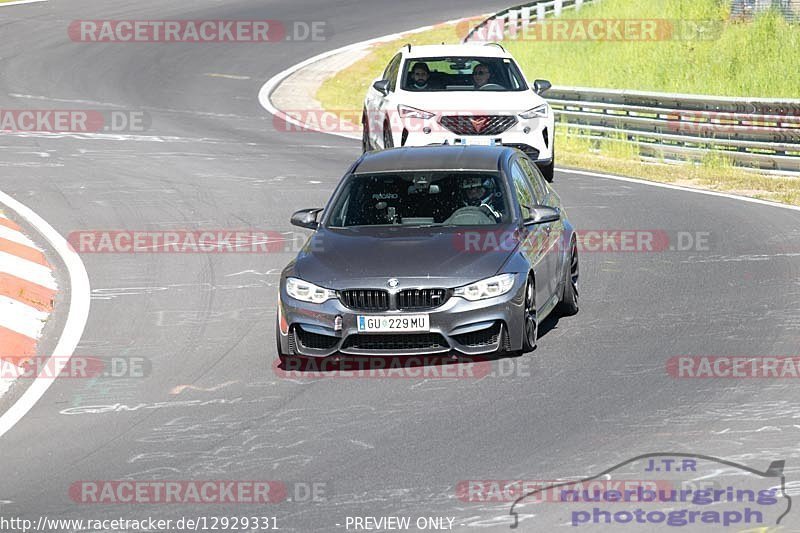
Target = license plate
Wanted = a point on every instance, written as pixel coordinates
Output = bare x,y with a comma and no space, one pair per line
479,141
396,324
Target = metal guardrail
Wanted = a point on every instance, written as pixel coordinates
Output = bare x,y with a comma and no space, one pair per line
521,15
747,9
752,132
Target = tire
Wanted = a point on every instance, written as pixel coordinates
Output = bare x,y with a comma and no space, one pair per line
568,305
366,146
387,136
548,171
530,321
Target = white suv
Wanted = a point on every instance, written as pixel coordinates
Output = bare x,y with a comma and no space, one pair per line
459,94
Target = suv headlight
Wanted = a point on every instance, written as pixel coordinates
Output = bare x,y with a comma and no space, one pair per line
542,111
308,292
486,288
412,112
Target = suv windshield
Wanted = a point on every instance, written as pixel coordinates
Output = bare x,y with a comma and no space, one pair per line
428,74
421,199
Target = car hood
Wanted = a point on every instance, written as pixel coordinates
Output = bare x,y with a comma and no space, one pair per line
368,257
472,102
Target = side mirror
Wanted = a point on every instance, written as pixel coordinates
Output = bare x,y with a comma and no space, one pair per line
540,86
382,86
306,218
541,214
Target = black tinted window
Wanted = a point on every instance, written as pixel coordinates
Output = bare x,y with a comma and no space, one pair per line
459,74
421,199
525,195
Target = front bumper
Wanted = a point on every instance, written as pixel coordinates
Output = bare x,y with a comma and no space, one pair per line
533,136
470,328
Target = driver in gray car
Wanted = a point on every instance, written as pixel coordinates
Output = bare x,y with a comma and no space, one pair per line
475,194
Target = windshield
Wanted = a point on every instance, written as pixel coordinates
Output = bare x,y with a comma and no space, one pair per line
429,74
421,199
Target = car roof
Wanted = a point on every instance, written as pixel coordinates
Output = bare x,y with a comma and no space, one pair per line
448,50
439,157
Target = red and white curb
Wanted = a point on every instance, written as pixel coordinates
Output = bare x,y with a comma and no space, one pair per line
27,290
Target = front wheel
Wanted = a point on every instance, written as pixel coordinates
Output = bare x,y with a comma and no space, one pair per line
530,321
569,295
366,146
548,171
387,137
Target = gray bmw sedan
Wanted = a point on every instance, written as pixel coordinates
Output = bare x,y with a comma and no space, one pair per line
430,250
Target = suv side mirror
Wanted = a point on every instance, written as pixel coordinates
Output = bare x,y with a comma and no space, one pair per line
306,218
382,86
540,86
542,214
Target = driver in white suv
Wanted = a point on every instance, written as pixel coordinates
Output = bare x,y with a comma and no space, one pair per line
480,75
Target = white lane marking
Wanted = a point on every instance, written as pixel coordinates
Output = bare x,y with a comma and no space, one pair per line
680,188
269,87
226,76
22,318
77,315
20,2
27,270
17,237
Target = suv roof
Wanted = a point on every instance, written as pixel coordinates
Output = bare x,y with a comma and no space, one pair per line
484,158
472,49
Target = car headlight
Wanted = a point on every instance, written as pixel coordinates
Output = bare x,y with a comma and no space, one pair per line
486,288
412,112
308,292
542,111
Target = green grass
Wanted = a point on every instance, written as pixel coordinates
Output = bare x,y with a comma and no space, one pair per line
739,59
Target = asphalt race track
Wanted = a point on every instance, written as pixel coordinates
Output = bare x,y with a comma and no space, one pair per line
593,394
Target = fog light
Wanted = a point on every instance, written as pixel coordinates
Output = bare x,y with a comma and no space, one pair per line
426,130
337,323
526,130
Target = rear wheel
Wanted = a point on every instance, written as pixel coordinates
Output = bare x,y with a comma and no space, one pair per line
530,322
569,295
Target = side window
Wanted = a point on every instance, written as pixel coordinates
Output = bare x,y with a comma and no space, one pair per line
522,189
536,180
391,72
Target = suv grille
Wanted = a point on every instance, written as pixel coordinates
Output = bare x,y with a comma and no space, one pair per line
478,124
417,299
392,341
365,299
